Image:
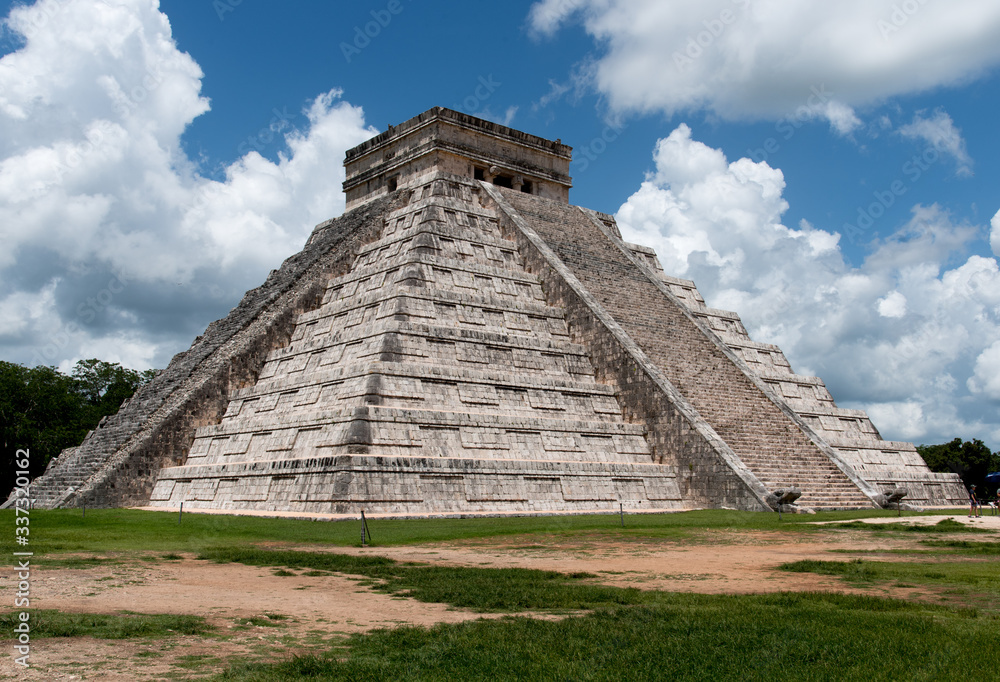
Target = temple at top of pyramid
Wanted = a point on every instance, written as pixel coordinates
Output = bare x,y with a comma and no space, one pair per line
462,340
448,141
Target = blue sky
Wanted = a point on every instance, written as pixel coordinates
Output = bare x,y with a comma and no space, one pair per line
826,170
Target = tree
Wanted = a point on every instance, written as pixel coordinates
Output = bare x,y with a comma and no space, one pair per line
104,386
971,460
39,412
45,411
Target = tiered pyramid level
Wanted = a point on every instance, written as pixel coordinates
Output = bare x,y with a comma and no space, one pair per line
433,377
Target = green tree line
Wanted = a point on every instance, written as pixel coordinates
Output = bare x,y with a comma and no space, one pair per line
971,460
45,411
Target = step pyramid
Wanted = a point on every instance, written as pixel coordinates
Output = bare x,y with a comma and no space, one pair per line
463,340
433,374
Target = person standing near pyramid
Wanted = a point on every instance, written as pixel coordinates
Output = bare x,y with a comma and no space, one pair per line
975,511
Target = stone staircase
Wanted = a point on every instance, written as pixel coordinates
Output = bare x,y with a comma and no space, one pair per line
66,472
73,467
764,437
887,465
118,461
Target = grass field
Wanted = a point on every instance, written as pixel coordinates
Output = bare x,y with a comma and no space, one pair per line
677,637
128,530
50,623
566,625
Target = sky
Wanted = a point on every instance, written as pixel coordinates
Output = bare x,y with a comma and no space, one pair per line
827,170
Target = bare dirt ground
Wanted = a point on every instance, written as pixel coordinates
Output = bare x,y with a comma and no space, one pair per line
320,611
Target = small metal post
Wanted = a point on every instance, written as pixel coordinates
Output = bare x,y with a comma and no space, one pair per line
84,511
621,511
363,529
180,514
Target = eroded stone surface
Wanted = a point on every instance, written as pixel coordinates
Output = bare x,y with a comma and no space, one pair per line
888,465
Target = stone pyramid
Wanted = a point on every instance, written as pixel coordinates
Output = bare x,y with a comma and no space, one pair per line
463,340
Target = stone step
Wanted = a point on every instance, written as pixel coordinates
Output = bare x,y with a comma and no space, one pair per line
727,398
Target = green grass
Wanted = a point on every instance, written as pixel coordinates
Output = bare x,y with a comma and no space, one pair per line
678,636
196,661
942,526
131,530
961,577
481,589
267,620
939,548
965,547
624,634
148,654
51,623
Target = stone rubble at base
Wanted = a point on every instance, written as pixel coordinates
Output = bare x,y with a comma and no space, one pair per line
464,340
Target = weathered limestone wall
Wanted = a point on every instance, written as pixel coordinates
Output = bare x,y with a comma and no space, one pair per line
765,439
886,465
118,462
434,377
708,472
452,142
346,484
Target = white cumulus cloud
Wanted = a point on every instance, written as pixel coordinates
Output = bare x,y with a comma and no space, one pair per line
900,335
892,305
115,244
764,58
939,132
986,380
546,16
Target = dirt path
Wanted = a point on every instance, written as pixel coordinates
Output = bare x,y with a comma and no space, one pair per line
311,610
321,610
729,564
